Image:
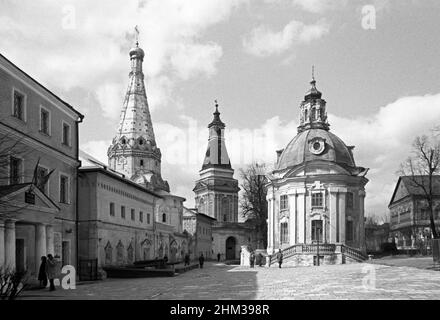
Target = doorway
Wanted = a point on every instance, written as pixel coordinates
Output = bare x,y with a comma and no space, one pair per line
317,230
20,255
230,248
66,253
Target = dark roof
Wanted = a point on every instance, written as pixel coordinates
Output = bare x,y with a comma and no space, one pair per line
8,189
81,116
413,187
206,216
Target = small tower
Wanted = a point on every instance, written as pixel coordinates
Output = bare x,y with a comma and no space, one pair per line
133,151
313,113
216,192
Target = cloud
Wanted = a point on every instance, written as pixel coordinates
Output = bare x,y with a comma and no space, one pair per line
319,6
263,42
82,46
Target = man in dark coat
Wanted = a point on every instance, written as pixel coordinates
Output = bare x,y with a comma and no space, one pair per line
187,259
42,275
279,258
218,257
51,271
252,259
260,259
201,260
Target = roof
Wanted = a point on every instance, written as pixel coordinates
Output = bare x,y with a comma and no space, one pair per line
298,151
411,188
81,116
194,212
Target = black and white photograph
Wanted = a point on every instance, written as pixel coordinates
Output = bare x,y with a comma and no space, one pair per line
232,151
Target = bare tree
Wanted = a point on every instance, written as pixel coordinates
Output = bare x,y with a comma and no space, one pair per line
253,203
421,168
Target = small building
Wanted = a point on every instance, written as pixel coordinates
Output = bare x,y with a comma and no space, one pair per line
38,168
409,214
199,227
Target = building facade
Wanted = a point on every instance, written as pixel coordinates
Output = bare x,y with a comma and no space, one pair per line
409,213
316,193
39,162
199,227
216,195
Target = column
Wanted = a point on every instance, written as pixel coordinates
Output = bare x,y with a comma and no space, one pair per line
362,243
341,198
40,243
333,221
49,240
270,244
2,244
292,218
10,244
301,215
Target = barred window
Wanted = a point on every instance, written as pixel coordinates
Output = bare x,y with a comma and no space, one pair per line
317,200
284,202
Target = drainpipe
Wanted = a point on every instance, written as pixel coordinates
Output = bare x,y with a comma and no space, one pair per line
77,196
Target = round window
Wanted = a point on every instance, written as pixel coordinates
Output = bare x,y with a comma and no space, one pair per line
316,146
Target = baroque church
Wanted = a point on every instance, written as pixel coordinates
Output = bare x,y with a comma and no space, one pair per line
316,194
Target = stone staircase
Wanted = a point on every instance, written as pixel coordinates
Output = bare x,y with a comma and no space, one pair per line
340,253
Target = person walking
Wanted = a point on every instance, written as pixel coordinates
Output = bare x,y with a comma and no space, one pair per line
51,271
42,275
252,259
218,257
201,260
260,260
187,259
279,258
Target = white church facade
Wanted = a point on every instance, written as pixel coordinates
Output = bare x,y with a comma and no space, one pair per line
316,194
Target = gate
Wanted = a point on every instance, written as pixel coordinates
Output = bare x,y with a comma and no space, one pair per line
88,270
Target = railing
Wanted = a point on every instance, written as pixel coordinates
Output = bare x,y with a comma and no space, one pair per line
324,248
353,253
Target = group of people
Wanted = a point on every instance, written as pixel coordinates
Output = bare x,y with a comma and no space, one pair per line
47,272
201,260
253,258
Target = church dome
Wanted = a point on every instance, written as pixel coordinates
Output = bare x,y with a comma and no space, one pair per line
314,145
137,52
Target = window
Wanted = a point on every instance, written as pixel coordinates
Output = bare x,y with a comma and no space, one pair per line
44,121
142,163
317,230
19,111
148,218
42,179
112,209
225,217
132,214
66,134
122,212
317,200
15,166
141,216
284,233
164,218
284,202
350,204
64,189
349,230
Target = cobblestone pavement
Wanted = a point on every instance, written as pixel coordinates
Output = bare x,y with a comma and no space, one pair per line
218,281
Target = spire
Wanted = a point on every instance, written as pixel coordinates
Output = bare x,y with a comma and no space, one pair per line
216,155
313,93
216,121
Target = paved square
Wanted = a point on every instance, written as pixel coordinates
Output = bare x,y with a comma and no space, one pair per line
218,281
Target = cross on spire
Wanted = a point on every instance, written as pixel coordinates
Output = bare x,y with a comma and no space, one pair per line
136,29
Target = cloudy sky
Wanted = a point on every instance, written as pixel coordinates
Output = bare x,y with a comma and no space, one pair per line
381,81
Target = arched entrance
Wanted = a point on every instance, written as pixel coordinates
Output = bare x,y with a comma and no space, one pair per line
230,248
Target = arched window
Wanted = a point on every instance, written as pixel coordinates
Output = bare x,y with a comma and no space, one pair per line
164,217
108,253
130,254
120,253
284,232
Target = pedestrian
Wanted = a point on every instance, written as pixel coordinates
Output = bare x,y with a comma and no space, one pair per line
42,275
252,259
218,257
51,271
187,259
260,259
279,258
201,260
